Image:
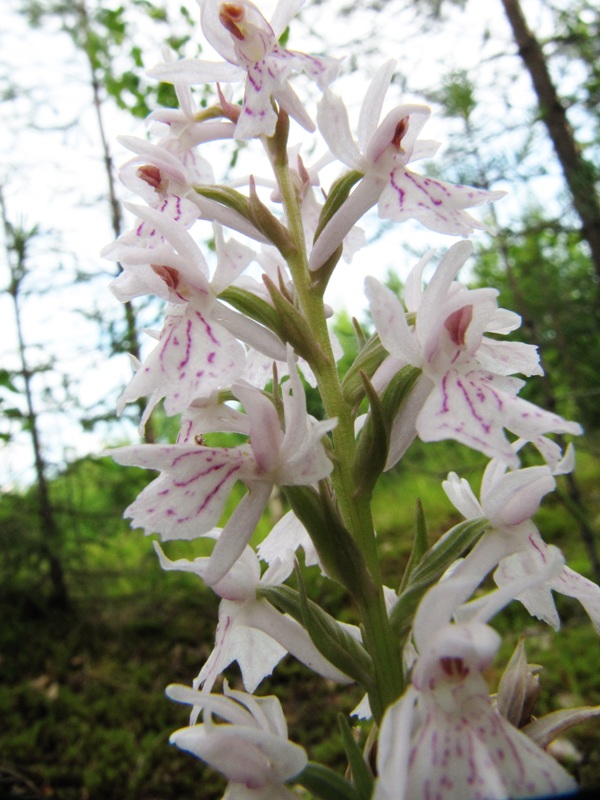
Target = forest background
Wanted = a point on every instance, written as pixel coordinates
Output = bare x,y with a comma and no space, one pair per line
91,631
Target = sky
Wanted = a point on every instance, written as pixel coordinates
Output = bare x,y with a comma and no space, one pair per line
52,177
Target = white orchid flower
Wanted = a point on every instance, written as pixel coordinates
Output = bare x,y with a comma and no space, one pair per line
466,391
198,350
239,32
508,499
382,152
250,747
189,496
444,737
250,630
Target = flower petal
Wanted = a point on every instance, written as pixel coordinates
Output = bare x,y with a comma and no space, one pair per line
188,497
437,205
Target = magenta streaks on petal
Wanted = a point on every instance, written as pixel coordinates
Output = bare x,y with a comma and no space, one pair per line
188,347
216,489
421,188
444,409
397,188
207,328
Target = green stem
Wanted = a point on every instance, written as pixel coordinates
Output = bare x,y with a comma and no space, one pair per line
355,509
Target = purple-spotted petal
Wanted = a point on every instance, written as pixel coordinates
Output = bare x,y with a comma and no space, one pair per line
473,407
478,754
188,497
257,117
194,356
437,205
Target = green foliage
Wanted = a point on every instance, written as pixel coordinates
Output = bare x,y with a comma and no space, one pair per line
107,34
82,696
88,498
545,275
326,784
456,95
577,41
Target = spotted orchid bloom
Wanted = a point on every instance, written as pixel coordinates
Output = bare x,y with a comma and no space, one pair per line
199,349
444,737
279,548
243,37
382,152
172,164
250,747
508,499
465,391
166,172
188,497
250,630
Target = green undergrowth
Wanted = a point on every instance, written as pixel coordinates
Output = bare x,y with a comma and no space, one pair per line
82,703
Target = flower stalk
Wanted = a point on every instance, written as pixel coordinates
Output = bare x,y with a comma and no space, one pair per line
432,366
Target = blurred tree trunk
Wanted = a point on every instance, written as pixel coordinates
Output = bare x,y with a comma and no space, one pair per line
16,242
579,173
132,343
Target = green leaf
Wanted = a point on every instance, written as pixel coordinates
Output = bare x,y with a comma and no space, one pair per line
397,391
519,688
326,784
338,194
328,636
420,545
227,197
252,306
6,380
452,545
284,598
361,772
341,557
268,224
373,444
367,361
293,326
14,413
546,729
361,338
374,441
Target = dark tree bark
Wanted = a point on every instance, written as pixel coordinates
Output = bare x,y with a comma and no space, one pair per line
579,173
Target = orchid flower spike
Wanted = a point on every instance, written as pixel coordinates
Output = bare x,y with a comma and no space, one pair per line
239,32
381,153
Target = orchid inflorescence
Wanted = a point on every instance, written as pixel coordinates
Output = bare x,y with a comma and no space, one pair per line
234,355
